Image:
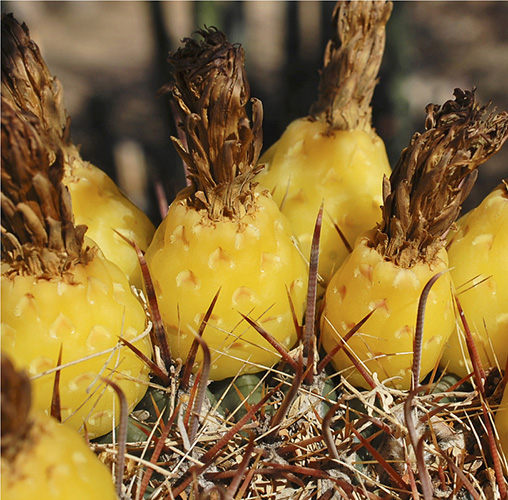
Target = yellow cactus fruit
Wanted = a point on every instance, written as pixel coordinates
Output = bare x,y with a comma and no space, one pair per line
479,262
97,201
391,264
334,155
221,233
42,458
367,281
59,292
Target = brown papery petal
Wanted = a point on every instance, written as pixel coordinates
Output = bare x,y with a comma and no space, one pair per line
222,142
434,175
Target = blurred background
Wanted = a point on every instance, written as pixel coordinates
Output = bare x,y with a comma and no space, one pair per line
111,60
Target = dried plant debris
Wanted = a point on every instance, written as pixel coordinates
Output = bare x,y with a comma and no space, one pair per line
273,435
350,443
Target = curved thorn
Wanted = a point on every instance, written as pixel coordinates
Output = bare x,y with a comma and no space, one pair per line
207,458
327,432
417,444
309,336
420,318
122,435
203,382
471,347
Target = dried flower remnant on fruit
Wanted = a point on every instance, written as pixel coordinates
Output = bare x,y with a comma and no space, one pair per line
58,291
333,155
42,458
434,175
223,143
97,202
223,232
406,249
26,81
38,233
351,63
